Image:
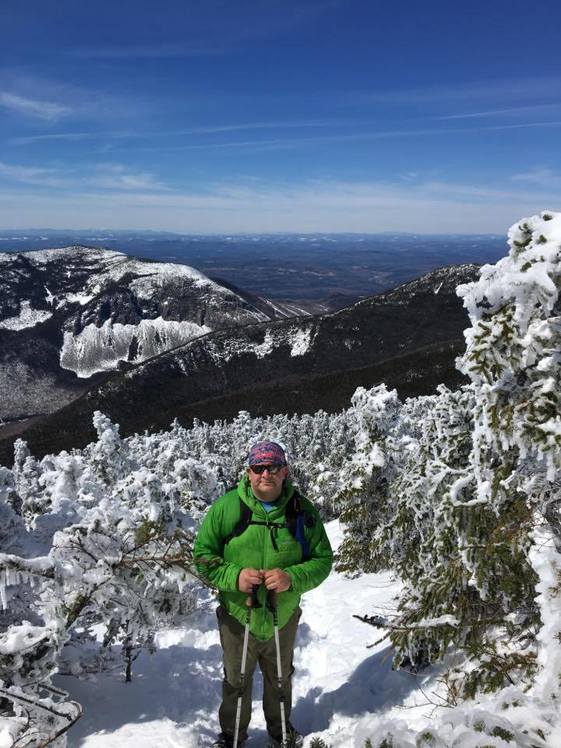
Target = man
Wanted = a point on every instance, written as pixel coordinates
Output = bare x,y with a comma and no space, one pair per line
262,538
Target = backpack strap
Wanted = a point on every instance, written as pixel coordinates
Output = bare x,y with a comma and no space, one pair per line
296,520
241,525
244,522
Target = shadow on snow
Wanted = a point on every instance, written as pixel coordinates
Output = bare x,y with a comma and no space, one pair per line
372,687
182,684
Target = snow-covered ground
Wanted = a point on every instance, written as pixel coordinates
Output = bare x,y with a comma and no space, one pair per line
343,690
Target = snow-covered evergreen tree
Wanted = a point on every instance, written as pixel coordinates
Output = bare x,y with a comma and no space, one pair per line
513,358
366,475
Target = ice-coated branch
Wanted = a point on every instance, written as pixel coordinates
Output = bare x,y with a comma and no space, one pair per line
41,566
381,622
68,713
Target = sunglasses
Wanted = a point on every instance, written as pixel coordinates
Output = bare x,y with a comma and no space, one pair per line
259,469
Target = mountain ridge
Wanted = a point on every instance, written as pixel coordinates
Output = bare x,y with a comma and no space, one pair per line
68,314
408,337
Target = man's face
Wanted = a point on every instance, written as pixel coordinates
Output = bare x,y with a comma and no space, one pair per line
267,486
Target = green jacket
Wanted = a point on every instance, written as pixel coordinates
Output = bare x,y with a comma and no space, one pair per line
221,564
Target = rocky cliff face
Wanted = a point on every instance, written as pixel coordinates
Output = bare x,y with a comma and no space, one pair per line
408,337
70,314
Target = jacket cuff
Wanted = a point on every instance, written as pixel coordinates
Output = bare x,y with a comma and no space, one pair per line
293,578
232,578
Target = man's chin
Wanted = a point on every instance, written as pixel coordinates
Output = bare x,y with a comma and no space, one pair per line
268,495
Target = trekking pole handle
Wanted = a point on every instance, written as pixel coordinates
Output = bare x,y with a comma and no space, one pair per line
253,600
272,600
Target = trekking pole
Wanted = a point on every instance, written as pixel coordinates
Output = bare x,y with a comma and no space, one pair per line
252,602
272,604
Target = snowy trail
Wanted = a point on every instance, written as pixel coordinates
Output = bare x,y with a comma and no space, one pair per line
341,688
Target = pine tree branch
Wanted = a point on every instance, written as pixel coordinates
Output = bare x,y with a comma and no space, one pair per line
168,562
38,567
384,623
18,698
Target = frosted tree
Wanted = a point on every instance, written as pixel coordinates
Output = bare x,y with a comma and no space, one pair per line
366,473
109,456
111,545
455,491
26,475
472,520
513,358
28,647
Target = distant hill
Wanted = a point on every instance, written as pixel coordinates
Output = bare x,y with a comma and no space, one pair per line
69,316
295,267
408,337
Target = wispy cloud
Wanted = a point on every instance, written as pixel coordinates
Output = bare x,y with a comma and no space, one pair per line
424,207
118,177
38,176
162,140
509,111
200,130
272,143
508,90
296,142
29,93
61,136
105,177
274,125
44,110
147,51
541,176
499,98
212,27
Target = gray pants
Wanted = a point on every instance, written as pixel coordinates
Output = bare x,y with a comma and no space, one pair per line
264,653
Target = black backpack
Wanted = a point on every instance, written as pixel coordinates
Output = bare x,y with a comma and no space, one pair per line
296,519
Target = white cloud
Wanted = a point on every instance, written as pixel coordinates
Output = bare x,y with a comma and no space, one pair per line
117,177
27,139
105,177
210,27
202,130
128,182
33,175
542,176
45,110
273,144
509,111
432,207
508,90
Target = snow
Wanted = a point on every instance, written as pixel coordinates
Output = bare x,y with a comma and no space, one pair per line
114,265
155,274
547,564
301,340
27,317
286,309
79,298
19,638
49,298
98,348
266,347
295,337
339,686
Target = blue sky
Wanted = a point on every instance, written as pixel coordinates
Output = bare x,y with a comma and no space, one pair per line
266,115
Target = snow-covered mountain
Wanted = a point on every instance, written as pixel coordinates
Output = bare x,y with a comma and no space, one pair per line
68,314
408,337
